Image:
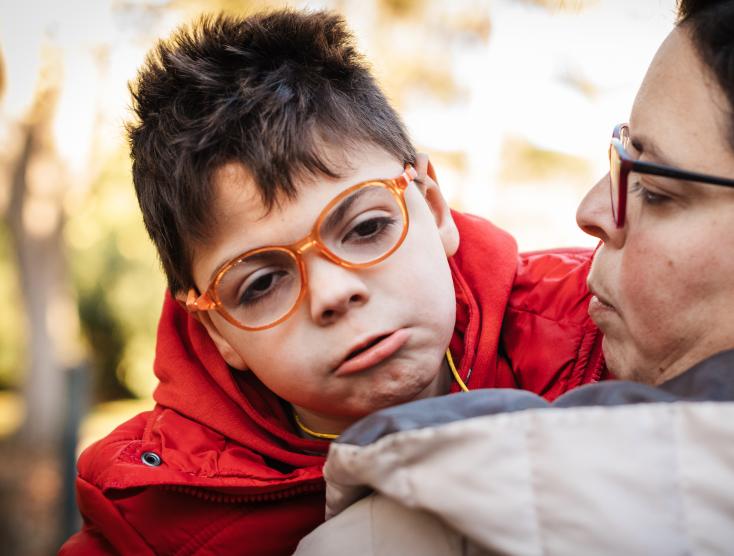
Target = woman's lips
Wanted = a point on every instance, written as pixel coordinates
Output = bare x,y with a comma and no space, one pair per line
375,354
598,307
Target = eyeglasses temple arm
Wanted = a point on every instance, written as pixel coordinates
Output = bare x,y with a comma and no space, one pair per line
196,302
669,172
409,174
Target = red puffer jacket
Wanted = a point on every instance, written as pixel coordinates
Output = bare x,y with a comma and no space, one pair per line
217,468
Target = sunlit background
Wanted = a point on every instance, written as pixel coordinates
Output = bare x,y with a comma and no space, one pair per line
514,101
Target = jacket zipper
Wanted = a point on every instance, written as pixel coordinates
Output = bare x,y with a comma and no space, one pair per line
213,496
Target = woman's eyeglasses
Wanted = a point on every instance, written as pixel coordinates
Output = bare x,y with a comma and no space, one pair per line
621,164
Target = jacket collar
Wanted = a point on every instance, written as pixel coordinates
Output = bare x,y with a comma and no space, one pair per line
709,380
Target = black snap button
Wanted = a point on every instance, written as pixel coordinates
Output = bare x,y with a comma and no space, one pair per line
151,459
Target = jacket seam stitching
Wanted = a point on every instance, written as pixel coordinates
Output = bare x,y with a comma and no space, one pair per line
533,491
119,514
468,357
577,375
582,322
685,522
201,540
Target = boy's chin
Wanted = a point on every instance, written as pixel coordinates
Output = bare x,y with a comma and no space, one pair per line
378,398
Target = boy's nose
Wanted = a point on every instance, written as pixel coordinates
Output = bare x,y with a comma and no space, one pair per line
594,215
333,290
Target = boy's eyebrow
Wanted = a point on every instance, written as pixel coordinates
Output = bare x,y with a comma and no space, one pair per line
226,259
218,267
336,215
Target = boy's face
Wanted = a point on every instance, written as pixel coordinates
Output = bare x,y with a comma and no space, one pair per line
406,303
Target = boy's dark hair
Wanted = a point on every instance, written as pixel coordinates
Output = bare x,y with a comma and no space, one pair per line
268,91
711,23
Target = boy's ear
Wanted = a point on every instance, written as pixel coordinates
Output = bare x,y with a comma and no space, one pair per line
428,185
228,353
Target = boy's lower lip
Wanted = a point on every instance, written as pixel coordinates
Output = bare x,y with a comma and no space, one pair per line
375,355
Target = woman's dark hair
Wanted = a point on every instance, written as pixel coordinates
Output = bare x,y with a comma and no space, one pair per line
269,91
711,24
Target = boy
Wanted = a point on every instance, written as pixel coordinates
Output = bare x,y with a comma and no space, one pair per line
316,274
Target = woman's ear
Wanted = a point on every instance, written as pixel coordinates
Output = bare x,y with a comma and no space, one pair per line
428,186
228,353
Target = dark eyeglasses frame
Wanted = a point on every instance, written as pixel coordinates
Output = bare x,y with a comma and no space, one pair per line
629,164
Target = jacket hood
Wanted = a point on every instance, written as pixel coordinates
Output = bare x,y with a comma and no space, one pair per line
212,428
196,382
485,251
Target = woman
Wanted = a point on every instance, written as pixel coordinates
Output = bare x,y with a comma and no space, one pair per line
639,466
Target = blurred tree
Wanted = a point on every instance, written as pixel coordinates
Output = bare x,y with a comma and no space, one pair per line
111,258
2,74
106,343
35,219
192,8
12,337
563,5
56,59
523,162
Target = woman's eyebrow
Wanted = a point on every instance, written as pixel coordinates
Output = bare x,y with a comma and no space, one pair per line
646,145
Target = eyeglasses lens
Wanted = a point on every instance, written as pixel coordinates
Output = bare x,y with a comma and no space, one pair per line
364,226
615,169
260,288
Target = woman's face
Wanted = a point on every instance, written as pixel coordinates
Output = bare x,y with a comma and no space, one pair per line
664,284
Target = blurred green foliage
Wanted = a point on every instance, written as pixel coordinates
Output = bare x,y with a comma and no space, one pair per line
522,161
563,5
12,317
402,8
118,282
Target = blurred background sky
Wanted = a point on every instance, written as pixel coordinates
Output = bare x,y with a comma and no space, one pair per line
514,100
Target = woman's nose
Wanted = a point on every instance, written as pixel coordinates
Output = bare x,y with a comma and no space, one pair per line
333,289
594,215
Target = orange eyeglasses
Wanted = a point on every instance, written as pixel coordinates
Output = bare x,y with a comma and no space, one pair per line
360,227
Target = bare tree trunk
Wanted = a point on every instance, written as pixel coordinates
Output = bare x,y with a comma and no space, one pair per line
35,219
31,479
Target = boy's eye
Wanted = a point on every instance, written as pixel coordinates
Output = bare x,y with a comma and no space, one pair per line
367,228
261,284
371,228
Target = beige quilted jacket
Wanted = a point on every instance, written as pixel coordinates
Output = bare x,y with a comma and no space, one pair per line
631,470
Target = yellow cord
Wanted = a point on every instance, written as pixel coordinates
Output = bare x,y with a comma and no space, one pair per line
454,372
332,436
309,432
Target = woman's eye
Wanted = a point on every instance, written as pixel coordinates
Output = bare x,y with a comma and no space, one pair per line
648,197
